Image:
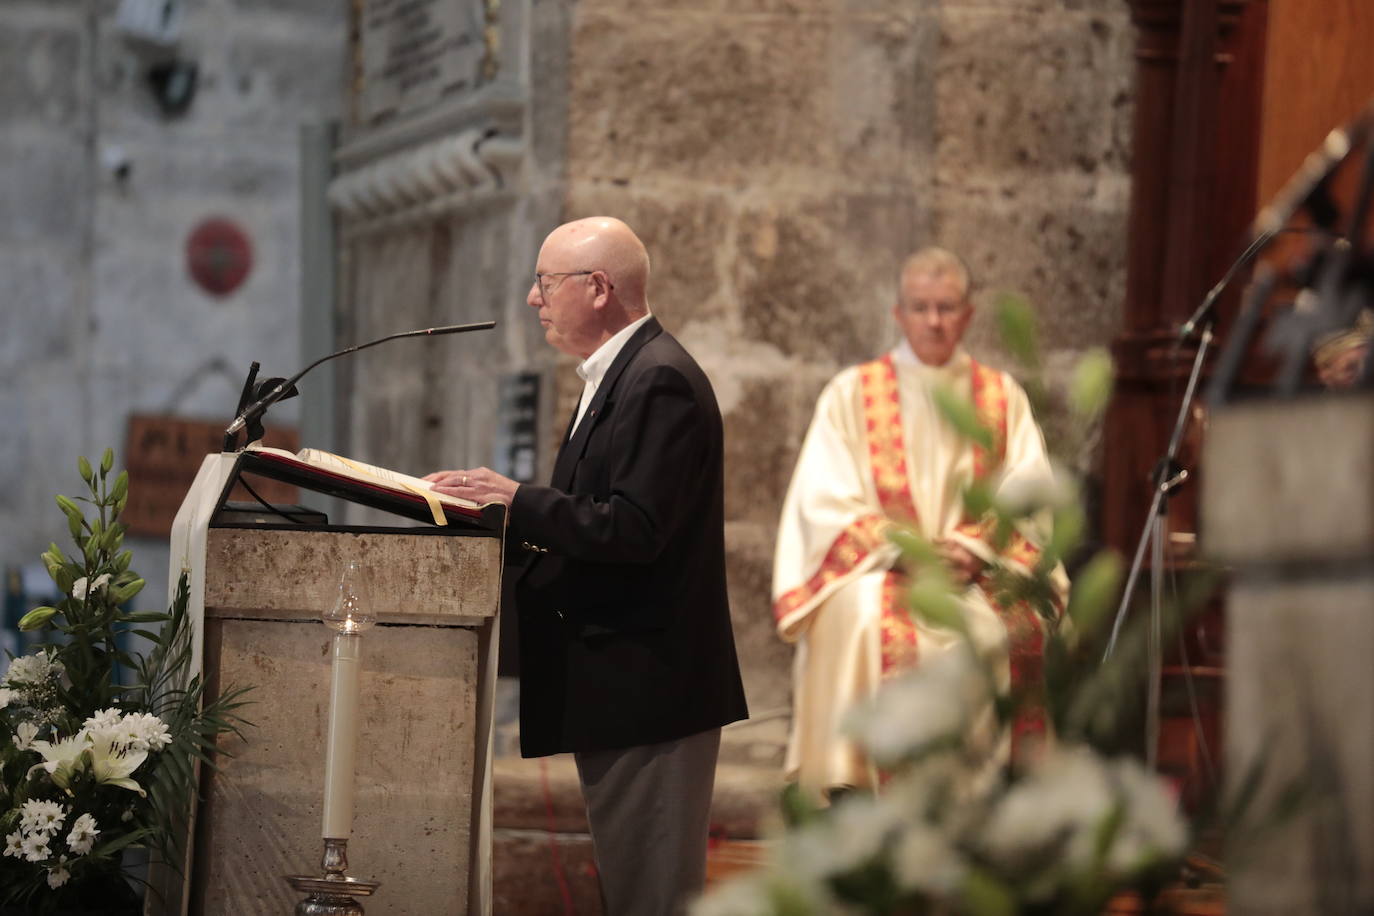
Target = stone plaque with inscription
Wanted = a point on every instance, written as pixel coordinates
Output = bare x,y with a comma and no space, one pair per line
411,53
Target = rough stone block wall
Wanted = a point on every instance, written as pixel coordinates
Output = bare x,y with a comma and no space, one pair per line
780,157
100,316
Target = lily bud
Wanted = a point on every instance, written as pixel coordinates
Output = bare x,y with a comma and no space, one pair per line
36,618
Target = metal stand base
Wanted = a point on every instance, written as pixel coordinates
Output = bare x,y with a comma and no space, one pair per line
332,893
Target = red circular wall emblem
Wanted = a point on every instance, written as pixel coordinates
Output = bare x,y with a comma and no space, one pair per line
219,255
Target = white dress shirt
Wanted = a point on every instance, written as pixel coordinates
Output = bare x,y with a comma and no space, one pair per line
593,368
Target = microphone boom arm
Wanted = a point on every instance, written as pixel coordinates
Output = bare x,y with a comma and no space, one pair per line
259,407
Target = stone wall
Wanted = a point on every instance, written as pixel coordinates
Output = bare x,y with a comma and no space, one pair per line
779,157
100,316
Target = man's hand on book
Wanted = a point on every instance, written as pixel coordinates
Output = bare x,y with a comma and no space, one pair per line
481,485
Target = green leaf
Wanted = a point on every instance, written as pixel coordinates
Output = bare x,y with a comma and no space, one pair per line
1095,589
960,413
797,807
978,499
107,461
84,467
1106,833
1091,387
916,550
985,895
115,845
1069,524
143,617
36,618
932,598
1016,324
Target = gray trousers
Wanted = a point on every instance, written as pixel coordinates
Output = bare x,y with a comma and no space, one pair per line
649,808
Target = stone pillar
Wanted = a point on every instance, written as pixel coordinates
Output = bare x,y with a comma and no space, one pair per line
442,196
1286,507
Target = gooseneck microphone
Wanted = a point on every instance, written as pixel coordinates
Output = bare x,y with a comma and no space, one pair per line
254,411
1204,311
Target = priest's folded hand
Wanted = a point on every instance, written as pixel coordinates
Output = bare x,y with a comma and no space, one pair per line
964,565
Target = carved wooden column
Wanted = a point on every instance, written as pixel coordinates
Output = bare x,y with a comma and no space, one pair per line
1193,195
1194,164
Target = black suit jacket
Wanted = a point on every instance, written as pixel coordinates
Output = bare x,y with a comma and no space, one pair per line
624,622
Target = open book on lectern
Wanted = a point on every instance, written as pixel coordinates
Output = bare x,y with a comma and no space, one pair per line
366,484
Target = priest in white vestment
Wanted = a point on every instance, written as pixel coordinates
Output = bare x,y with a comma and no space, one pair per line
880,453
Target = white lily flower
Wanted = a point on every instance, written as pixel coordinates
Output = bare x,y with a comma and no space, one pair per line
80,589
24,733
62,758
58,876
112,763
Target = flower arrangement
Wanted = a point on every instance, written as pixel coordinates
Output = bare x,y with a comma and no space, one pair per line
98,743
953,830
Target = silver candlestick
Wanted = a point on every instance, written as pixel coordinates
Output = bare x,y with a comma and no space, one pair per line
332,894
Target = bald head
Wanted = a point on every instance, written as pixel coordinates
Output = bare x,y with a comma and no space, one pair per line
606,243
592,280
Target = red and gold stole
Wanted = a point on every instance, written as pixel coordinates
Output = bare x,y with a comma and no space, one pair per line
887,456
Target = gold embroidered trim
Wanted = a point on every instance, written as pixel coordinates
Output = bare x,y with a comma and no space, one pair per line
849,549
990,406
886,448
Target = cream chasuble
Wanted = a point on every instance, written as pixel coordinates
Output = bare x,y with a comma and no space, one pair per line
879,451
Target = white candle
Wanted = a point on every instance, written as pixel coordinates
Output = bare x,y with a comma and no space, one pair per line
343,737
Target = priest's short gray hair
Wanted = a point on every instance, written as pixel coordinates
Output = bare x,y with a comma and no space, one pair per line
934,261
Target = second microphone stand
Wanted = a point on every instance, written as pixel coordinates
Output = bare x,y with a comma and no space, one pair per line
1168,475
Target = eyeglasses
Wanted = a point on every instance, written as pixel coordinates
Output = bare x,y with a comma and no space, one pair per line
544,290
939,309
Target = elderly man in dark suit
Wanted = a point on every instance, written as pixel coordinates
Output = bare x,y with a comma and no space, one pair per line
627,658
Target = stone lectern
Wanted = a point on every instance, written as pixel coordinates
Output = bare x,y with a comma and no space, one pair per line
1287,505
422,814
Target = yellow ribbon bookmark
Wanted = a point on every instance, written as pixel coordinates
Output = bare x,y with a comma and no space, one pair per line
429,496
